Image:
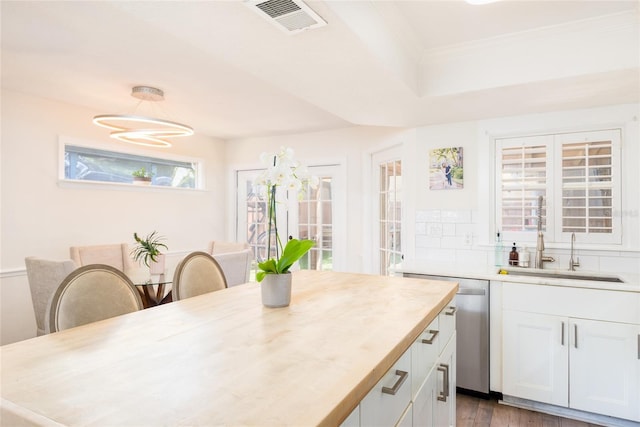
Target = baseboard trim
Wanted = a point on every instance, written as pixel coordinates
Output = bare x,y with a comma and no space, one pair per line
587,417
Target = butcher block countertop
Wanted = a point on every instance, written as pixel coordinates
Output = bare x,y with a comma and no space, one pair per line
222,358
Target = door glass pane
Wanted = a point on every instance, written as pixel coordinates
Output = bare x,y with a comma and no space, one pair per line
315,222
390,215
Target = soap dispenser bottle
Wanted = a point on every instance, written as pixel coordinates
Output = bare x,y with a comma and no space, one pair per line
524,257
498,251
513,255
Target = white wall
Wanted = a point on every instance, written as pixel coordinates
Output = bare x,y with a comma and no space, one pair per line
42,218
348,147
444,219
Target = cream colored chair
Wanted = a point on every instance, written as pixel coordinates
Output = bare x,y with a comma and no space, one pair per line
116,255
91,293
198,273
44,278
236,266
220,247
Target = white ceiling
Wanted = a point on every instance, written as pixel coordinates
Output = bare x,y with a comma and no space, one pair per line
231,74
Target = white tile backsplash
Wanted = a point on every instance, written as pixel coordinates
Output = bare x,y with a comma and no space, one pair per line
456,216
430,215
447,236
448,229
434,229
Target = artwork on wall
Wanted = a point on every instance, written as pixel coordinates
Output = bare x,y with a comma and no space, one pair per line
446,169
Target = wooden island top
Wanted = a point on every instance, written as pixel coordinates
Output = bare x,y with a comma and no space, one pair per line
224,359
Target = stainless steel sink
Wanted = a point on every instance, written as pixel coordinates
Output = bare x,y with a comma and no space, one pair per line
555,274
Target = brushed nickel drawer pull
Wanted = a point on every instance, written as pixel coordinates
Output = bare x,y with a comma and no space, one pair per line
445,383
451,312
402,378
638,346
433,333
575,335
562,338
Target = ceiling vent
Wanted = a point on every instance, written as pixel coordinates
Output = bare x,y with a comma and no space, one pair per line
291,16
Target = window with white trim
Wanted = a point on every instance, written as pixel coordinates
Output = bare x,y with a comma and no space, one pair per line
578,176
98,165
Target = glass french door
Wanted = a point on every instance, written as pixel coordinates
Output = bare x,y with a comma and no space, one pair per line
387,169
312,216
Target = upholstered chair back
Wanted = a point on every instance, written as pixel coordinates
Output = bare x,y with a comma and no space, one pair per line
198,273
236,266
116,255
220,247
44,278
91,293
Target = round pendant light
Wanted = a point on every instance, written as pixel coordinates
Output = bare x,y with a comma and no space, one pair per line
143,130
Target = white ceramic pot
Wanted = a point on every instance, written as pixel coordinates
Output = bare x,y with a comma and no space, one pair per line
158,266
276,290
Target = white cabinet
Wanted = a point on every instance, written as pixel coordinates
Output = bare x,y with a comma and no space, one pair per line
446,386
433,372
535,357
387,401
604,373
565,360
420,388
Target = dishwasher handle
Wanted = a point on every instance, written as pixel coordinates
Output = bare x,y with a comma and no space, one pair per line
471,291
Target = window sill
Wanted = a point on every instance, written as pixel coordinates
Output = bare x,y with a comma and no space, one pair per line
120,186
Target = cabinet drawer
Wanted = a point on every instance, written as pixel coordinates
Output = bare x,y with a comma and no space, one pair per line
424,354
447,324
382,408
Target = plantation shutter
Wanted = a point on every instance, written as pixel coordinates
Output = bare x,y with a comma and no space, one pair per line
523,177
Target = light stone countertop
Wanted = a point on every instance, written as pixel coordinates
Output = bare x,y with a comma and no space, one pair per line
631,282
224,359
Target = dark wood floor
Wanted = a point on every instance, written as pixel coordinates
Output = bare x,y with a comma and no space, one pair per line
472,412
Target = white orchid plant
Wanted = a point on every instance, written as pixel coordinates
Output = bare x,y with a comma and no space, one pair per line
284,172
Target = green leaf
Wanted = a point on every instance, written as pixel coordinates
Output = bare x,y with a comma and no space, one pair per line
293,251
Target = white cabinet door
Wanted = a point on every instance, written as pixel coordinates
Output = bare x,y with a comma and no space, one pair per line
535,357
605,368
424,355
389,398
445,414
424,402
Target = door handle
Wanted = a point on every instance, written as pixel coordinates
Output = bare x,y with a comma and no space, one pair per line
471,291
402,377
433,333
445,382
575,336
562,335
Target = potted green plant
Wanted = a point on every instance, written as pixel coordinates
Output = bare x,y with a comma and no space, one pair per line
273,273
147,250
142,176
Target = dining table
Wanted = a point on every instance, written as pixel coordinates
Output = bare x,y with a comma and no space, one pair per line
222,358
154,289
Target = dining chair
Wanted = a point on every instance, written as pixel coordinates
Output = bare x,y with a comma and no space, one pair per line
116,255
236,266
220,247
91,293
44,277
198,273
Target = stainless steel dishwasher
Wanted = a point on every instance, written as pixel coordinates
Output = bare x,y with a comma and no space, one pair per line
472,326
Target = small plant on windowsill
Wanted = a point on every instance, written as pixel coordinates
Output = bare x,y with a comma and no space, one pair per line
142,176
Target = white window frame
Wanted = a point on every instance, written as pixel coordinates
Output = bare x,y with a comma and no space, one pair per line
64,141
553,201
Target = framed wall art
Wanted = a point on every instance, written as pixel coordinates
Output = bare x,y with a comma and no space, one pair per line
446,169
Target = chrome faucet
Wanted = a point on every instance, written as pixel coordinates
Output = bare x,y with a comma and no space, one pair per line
573,264
540,258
